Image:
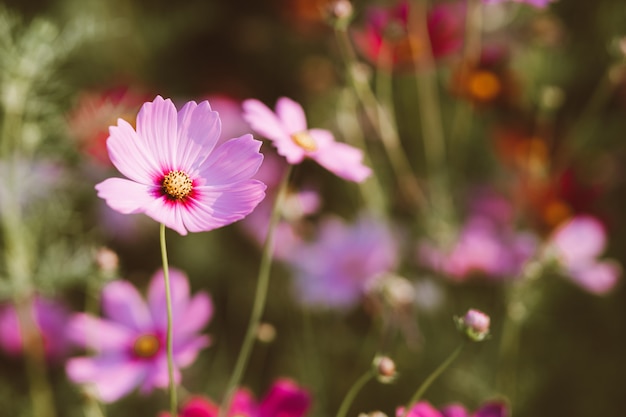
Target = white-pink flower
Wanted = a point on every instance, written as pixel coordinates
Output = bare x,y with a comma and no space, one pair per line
288,131
577,244
130,343
178,174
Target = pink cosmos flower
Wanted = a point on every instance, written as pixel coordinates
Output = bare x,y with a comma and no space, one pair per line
177,174
284,399
540,4
341,264
50,317
131,341
577,244
287,129
424,409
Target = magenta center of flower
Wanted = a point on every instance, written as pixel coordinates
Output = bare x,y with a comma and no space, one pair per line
177,185
304,140
146,346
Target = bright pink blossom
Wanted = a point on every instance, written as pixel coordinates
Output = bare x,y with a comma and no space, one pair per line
177,174
424,409
287,129
130,343
284,399
577,244
49,316
540,4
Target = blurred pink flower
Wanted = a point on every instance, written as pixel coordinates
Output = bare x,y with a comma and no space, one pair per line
577,244
340,265
424,409
50,317
287,129
229,109
284,399
178,176
540,4
386,32
131,341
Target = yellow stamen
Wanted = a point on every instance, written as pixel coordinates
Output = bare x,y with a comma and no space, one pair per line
146,346
177,185
305,141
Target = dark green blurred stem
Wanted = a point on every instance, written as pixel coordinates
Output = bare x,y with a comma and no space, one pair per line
431,378
354,390
381,122
506,379
259,299
170,326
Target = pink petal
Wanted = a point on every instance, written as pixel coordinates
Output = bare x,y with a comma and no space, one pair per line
158,375
179,286
421,409
492,409
122,303
186,352
112,376
219,206
291,115
579,240
99,334
243,404
341,159
236,160
157,129
169,213
197,314
198,132
285,399
130,154
454,410
597,278
125,196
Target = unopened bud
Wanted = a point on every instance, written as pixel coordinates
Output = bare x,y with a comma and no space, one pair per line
474,324
373,414
385,369
266,333
107,260
340,12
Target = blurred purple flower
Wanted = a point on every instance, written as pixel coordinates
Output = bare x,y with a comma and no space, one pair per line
287,129
339,266
424,409
51,319
540,4
178,176
577,244
284,399
131,341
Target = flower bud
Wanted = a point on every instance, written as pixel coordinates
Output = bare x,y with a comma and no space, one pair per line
385,369
340,12
107,261
474,324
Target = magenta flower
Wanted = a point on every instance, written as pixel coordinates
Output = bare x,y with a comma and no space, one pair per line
284,399
287,129
49,316
540,4
131,341
577,244
341,264
424,409
177,174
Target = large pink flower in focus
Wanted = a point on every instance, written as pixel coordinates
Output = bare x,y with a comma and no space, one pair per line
577,244
424,409
177,174
287,129
49,316
130,343
284,399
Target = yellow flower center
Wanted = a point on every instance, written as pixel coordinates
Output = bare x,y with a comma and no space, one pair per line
305,141
146,346
177,185
484,85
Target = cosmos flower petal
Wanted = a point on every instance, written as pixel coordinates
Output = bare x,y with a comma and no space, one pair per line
197,314
158,376
235,160
169,213
578,240
421,409
597,277
102,335
157,129
454,410
263,120
286,399
122,303
125,196
179,287
291,115
341,159
111,376
198,132
492,409
187,351
218,206
130,155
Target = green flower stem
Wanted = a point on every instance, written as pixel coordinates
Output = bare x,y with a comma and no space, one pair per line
170,333
354,390
259,299
431,378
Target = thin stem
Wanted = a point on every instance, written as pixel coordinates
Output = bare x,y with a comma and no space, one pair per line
431,378
354,390
259,299
170,329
